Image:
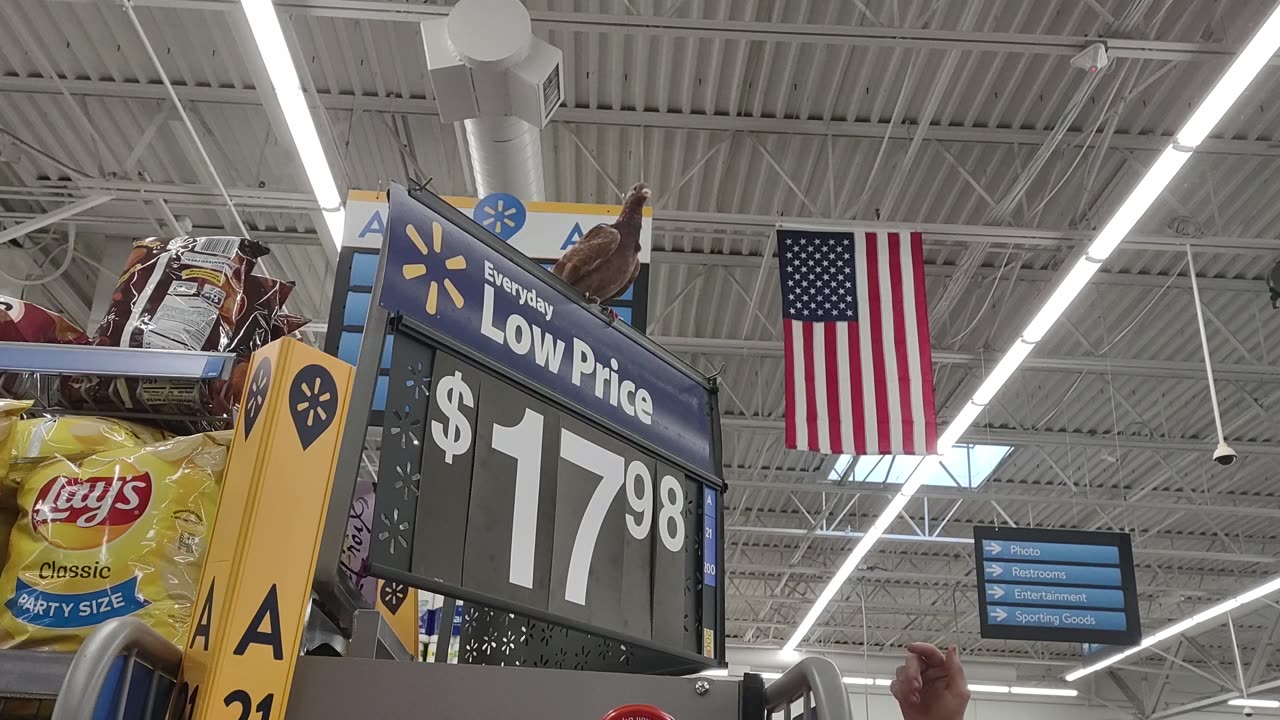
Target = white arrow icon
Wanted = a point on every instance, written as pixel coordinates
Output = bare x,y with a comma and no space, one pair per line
994,549
995,570
999,614
997,592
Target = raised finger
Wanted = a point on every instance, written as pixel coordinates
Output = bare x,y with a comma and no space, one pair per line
954,667
913,669
927,652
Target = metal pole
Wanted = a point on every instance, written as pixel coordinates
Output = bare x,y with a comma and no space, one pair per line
173,96
1204,345
1235,648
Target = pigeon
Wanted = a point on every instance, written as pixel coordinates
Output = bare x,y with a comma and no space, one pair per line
606,261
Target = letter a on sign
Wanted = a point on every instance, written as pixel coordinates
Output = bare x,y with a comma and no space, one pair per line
269,612
205,622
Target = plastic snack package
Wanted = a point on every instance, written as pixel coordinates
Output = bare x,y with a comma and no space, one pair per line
181,294
21,321
118,533
36,440
264,299
10,411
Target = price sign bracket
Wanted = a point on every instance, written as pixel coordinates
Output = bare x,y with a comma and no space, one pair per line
550,465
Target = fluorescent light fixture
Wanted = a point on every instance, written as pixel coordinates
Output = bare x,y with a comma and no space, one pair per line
883,682
1000,374
1239,75
267,33
859,681
770,675
1254,702
1138,202
1243,70
1067,290
1180,627
999,689
1052,692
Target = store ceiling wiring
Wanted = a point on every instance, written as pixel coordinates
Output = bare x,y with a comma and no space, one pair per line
69,255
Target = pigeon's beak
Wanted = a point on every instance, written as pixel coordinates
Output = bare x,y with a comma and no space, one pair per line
646,193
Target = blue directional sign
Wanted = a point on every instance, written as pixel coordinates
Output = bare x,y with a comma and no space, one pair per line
1050,552
1043,573
1056,586
1056,618
1011,594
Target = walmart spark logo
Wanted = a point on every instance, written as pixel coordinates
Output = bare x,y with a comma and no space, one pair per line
501,214
413,271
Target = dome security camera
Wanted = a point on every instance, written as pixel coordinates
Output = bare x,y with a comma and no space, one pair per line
1224,455
1247,712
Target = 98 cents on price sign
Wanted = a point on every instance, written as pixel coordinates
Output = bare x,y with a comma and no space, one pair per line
546,511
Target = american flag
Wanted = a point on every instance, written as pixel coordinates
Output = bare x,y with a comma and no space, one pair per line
856,330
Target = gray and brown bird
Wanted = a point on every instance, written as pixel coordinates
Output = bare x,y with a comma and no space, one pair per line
607,259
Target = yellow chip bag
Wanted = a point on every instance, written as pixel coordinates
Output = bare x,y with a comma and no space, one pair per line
10,411
37,440
119,533
8,516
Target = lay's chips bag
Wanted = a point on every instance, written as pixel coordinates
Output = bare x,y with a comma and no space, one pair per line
37,440
118,533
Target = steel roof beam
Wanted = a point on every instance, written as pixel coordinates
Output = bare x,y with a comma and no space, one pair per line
742,478
697,27
967,542
1003,436
682,221
1112,366
636,118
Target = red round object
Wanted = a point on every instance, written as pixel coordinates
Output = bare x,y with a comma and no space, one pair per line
637,712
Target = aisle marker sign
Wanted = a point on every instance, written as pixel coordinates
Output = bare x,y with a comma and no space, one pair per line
1056,585
255,588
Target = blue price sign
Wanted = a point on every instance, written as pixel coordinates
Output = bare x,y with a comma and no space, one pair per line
469,293
1056,586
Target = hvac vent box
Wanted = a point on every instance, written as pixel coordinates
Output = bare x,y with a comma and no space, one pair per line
504,71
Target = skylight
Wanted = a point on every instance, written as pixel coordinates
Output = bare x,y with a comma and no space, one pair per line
963,466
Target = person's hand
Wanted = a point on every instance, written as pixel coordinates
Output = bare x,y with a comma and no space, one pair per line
931,685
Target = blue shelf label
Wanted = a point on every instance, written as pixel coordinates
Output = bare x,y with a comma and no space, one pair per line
1009,594
1058,574
1056,618
1050,552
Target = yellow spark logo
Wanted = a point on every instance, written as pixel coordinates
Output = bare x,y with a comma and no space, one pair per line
499,219
314,404
417,270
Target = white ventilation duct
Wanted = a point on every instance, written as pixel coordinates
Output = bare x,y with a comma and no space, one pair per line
489,72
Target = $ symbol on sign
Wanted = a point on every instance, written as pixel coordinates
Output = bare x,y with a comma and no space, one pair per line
455,438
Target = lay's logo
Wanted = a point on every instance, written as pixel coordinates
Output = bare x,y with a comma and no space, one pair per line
75,513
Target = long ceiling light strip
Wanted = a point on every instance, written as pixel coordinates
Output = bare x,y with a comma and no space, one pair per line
1243,70
1180,627
269,37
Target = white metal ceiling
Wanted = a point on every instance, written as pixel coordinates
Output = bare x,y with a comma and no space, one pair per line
740,112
